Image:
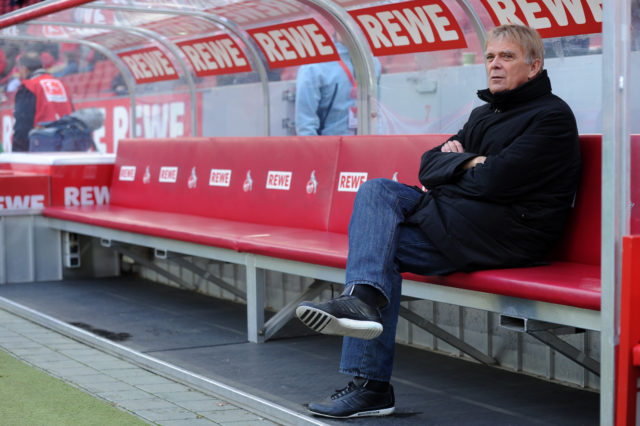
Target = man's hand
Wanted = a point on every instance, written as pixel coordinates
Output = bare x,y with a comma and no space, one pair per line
455,146
474,162
452,146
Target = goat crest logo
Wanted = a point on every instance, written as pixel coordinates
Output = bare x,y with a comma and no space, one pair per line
147,176
312,185
193,179
247,186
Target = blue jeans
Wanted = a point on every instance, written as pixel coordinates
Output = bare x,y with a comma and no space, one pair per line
381,246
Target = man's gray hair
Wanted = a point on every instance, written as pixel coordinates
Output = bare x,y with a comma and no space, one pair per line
526,37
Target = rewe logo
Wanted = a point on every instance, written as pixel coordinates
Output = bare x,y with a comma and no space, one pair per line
20,202
168,174
351,181
279,180
219,177
127,173
86,195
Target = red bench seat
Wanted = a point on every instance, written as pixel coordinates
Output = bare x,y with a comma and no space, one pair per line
301,196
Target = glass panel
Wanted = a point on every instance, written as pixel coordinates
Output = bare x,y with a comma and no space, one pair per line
430,89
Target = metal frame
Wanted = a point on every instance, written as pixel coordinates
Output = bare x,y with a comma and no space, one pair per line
253,50
158,38
615,194
361,57
615,187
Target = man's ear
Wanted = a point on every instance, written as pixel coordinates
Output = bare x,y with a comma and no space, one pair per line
536,66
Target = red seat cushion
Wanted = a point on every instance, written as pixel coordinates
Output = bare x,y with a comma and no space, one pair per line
565,283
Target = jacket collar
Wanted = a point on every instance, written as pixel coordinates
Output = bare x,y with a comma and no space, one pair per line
36,73
539,86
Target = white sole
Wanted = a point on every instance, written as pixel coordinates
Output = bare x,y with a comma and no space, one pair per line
325,323
371,413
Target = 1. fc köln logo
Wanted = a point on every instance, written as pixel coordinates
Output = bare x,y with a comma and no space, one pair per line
147,176
312,185
247,186
193,179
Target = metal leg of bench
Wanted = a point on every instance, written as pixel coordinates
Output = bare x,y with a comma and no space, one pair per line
566,349
149,264
283,316
206,275
255,301
441,334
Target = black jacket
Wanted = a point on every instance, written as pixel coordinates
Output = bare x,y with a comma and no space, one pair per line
510,210
24,113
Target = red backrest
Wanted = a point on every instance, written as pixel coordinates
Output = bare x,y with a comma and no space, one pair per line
291,178
307,182
581,240
376,156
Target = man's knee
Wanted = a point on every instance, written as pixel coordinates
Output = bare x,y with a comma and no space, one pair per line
376,185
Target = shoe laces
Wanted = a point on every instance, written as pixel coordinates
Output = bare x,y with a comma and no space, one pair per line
344,391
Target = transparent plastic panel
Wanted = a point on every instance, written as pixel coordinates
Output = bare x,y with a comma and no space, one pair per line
430,62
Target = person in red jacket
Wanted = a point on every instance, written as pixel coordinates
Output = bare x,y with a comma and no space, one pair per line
40,98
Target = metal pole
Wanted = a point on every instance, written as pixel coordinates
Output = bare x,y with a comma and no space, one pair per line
475,21
361,58
615,188
38,10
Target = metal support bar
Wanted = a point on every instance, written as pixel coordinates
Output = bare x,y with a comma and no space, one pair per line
255,300
206,275
283,316
571,352
447,337
149,264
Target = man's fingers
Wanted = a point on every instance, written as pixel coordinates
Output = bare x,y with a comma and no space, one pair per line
452,146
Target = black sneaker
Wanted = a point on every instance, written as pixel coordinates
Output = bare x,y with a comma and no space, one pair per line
343,316
356,401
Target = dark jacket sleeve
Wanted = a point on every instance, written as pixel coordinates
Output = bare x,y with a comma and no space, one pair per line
438,168
533,160
24,113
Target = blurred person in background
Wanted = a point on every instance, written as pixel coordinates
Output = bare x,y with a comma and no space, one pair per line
40,98
326,96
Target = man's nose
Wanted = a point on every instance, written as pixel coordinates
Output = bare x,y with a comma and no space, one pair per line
495,63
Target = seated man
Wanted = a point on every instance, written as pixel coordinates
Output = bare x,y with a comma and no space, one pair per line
498,194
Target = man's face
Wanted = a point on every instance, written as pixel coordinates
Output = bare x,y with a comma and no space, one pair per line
506,66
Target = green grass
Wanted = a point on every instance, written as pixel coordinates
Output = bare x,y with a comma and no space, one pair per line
30,397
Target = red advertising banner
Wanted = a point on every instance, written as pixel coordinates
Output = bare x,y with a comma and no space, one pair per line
413,26
149,65
295,43
156,116
215,55
552,18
